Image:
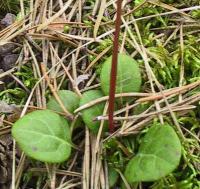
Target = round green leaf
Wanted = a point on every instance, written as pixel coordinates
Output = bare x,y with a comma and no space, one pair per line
91,113
159,154
128,75
43,135
69,99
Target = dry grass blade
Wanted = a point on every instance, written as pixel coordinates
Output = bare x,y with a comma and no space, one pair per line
99,17
68,114
97,58
86,162
170,92
93,102
50,20
163,111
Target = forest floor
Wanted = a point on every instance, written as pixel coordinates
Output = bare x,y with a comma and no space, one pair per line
47,46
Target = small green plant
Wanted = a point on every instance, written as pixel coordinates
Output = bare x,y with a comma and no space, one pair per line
13,96
128,75
159,154
43,135
91,113
128,80
26,75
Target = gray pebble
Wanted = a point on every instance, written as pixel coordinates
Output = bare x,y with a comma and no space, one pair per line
8,61
7,48
8,19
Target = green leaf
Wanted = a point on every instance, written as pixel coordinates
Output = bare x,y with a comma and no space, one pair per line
113,176
128,75
159,154
69,99
43,135
91,113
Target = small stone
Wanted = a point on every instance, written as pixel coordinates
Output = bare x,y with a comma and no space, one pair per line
7,48
5,162
8,19
8,62
4,175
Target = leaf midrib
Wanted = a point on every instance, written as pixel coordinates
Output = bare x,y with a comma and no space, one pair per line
46,135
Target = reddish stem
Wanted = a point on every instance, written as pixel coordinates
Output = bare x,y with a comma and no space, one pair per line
113,74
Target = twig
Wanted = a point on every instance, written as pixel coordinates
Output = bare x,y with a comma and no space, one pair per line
102,99
182,68
176,90
163,111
